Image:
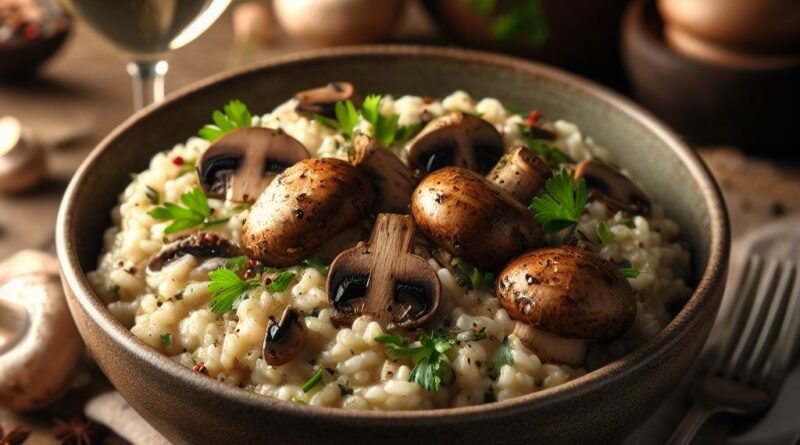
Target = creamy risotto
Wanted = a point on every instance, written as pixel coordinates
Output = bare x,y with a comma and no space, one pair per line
197,263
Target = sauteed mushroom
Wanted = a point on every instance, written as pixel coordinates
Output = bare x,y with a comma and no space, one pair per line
564,297
393,180
613,188
303,207
201,245
243,162
457,139
473,219
284,338
383,279
521,173
322,100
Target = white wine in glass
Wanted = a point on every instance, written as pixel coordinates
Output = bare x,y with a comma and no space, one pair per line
147,29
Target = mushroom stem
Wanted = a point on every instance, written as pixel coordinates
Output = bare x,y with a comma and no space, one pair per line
550,348
13,324
521,173
393,235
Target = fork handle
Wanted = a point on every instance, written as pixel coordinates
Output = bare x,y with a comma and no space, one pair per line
697,415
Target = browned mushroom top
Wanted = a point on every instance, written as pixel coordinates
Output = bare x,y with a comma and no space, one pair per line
521,173
383,279
457,139
303,207
243,162
567,292
472,218
201,245
283,338
613,188
393,180
322,100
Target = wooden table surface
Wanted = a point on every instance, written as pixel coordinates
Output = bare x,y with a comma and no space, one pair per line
85,92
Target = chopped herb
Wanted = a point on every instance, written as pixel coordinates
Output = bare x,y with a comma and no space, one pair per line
344,387
628,222
563,204
236,115
114,290
318,263
166,339
315,380
196,212
430,362
188,167
296,399
153,195
472,334
347,117
516,20
227,288
551,155
479,280
281,283
326,121
407,132
389,339
236,263
604,234
384,127
629,272
502,358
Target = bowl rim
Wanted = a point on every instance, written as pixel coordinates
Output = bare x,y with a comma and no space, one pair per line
706,295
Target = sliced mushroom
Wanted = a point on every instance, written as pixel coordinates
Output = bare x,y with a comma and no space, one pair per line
393,180
521,173
284,338
304,207
241,164
457,139
565,296
323,100
200,245
613,188
465,214
383,279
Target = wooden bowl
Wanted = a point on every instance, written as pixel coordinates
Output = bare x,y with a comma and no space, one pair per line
23,58
602,406
749,102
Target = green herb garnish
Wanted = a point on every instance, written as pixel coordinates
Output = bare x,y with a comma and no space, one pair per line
563,204
479,280
384,127
196,212
227,287
347,117
166,339
549,154
344,387
390,339
298,400
407,132
152,195
321,265
502,358
114,290
281,283
604,234
430,362
315,380
629,272
236,263
517,20
236,115
326,121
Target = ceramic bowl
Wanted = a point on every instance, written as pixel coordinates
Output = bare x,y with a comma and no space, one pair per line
750,103
23,58
601,406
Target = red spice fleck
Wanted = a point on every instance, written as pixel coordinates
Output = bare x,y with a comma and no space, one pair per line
427,100
532,118
201,368
177,160
31,31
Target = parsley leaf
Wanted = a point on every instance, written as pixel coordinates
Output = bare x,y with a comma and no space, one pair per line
236,263
389,339
479,280
604,234
629,272
407,132
236,115
383,127
321,265
430,362
347,116
326,121
227,287
562,205
196,212
315,380
502,358
281,283
549,154
166,339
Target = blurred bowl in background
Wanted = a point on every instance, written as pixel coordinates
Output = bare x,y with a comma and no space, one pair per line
747,101
31,31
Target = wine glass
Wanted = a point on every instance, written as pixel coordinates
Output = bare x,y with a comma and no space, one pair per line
147,29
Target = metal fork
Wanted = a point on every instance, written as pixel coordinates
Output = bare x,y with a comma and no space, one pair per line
757,340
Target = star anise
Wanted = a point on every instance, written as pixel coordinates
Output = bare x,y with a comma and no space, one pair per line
17,436
76,431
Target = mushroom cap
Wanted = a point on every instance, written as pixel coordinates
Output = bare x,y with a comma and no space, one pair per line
393,179
611,187
39,358
567,292
383,279
322,100
521,173
465,214
243,162
457,139
201,245
283,338
303,207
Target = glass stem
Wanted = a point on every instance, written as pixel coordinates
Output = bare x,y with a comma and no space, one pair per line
148,81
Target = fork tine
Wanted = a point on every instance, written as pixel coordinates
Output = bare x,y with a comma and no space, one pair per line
774,371
736,316
772,325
